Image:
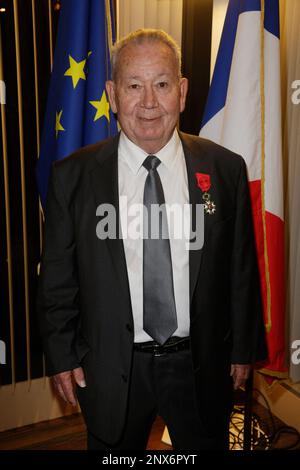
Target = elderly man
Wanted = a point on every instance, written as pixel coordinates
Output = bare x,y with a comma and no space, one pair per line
150,325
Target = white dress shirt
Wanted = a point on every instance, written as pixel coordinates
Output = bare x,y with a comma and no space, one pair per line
173,175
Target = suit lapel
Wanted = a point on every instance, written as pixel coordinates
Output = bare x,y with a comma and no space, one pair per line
104,181
195,163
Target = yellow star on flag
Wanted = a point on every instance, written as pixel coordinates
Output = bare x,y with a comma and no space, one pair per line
76,71
102,107
58,126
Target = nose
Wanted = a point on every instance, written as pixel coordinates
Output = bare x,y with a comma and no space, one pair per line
149,99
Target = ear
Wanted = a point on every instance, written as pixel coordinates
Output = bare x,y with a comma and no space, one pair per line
110,90
184,85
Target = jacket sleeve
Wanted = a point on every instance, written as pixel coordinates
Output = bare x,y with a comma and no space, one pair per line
248,331
58,291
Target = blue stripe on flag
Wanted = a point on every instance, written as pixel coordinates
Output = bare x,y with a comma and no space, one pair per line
247,5
272,17
218,90
216,99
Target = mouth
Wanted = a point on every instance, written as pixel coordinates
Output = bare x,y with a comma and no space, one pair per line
149,120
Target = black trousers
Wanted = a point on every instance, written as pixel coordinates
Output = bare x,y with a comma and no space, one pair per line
163,386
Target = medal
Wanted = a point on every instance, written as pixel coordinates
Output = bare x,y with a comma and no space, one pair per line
204,183
209,206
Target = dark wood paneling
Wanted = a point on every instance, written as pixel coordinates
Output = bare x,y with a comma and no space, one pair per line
14,175
196,53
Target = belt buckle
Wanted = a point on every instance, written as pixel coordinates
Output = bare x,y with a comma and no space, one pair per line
158,350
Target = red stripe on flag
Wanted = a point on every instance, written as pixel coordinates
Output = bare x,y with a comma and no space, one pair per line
275,246
276,336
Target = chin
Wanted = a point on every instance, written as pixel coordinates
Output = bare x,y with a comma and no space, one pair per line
150,135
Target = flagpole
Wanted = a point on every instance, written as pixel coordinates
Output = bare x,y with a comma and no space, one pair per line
23,189
249,382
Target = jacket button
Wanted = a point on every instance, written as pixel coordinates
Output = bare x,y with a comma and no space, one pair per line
124,377
129,327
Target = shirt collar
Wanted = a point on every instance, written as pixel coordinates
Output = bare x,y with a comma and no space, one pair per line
134,156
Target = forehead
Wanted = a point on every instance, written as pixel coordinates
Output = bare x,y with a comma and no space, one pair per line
149,55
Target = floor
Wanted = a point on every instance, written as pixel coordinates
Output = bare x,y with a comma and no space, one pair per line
65,433
68,433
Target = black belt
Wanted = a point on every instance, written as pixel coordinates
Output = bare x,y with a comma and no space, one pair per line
174,344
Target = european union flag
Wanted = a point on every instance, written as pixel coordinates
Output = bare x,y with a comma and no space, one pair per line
78,111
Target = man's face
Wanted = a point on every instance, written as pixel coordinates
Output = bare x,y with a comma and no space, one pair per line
147,95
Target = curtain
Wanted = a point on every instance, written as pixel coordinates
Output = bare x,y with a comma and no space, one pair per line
163,14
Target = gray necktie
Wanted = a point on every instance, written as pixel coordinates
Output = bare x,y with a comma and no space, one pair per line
160,319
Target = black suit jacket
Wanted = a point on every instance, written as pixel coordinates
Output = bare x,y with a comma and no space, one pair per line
84,299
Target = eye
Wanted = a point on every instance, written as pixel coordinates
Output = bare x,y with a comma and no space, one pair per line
162,84
134,86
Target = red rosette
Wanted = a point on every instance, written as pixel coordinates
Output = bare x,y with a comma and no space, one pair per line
203,181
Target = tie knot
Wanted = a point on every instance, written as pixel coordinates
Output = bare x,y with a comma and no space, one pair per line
151,162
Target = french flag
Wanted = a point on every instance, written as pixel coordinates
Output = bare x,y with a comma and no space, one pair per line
243,113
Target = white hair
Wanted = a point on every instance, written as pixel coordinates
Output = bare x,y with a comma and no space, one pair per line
142,36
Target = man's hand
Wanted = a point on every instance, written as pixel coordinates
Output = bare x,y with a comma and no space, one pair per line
64,385
240,373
